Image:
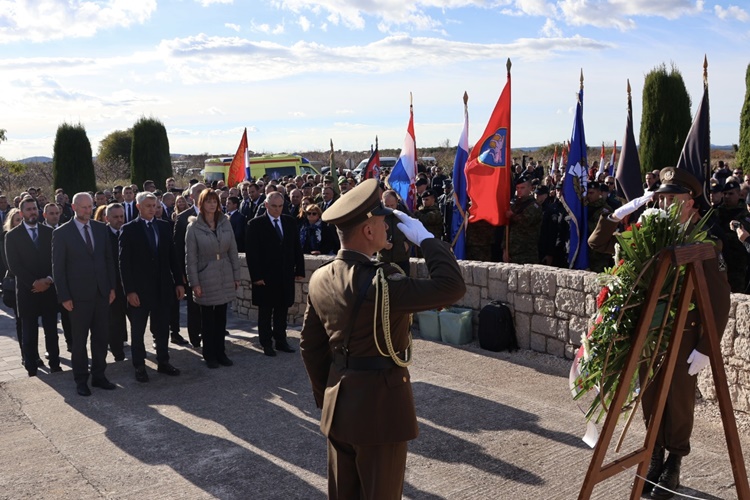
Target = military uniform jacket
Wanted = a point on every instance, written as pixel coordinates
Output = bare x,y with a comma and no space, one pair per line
432,220
368,407
525,228
603,240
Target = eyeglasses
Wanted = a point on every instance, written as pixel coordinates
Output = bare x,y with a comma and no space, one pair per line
312,213
610,183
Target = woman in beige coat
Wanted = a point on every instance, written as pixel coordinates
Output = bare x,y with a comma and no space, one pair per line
213,271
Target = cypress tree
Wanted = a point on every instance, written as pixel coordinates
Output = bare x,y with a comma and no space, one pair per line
743,153
73,164
665,120
149,156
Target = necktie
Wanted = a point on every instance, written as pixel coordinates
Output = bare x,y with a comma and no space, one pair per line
130,212
151,236
34,236
89,243
278,229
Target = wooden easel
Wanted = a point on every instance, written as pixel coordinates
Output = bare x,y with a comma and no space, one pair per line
694,286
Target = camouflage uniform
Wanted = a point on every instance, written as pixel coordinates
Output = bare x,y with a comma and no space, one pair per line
598,261
432,220
479,241
555,234
734,251
525,228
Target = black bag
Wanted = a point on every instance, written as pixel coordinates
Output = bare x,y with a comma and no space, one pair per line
497,332
9,291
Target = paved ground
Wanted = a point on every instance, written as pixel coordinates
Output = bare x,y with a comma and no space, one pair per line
493,426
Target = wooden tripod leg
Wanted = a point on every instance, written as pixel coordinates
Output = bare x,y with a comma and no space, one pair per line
722,389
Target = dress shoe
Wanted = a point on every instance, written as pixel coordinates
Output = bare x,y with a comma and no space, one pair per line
225,361
40,363
32,373
669,480
140,374
83,389
103,383
55,369
120,357
167,369
269,351
179,339
655,468
197,345
284,348
212,364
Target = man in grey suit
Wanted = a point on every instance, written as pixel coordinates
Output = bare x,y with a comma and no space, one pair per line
84,274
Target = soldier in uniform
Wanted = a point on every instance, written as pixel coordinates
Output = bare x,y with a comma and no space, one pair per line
554,234
678,185
525,221
597,204
359,376
429,214
732,208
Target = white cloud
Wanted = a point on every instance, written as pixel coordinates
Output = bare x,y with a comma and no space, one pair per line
618,13
267,28
44,20
206,3
550,29
213,110
731,12
203,58
304,23
344,112
232,26
297,114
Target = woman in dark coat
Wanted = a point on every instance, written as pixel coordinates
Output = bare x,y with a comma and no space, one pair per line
317,237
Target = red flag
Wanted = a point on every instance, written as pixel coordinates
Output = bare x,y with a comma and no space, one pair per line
372,169
488,169
239,166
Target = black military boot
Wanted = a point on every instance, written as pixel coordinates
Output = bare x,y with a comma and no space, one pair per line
655,468
669,480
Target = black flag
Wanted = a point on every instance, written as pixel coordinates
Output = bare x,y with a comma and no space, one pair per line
628,174
696,153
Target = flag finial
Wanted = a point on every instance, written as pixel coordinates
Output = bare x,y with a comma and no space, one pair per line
508,65
376,142
581,77
466,98
705,70
411,99
628,88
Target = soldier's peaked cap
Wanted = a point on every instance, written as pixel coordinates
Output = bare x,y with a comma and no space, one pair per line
679,181
356,206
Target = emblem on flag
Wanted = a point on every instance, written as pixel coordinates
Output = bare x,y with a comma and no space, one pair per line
493,149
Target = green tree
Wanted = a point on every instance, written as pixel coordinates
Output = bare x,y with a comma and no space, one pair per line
116,146
149,156
73,165
2,135
665,120
743,151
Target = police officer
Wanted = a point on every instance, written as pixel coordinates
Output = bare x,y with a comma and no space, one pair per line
359,376
525,221
673,436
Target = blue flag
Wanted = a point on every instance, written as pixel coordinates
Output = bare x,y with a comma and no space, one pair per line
460,199
575,184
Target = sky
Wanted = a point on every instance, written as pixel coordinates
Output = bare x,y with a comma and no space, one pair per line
299,73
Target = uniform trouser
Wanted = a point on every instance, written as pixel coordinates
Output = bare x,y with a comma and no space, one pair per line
30,325
193,319
677,421
118,326
92,315
214,326
366,472
139,316
272,323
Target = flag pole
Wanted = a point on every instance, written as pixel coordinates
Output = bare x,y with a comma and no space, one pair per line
334,174
506,253
464,218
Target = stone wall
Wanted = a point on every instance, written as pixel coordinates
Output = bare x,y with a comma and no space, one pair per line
552,308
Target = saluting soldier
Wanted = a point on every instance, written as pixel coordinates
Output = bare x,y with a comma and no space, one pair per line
525,221
359,376
678,186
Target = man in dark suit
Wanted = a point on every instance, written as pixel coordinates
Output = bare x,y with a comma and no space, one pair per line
151,276
84,275
238,222
180,228
295,200
28,248
275,260
254,201
129,204
118,325
51,214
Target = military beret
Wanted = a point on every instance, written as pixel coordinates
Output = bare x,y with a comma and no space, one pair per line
731,185
359,204
595,185
541,190
447,183
421,182
524,178
679,181
428,192
716,187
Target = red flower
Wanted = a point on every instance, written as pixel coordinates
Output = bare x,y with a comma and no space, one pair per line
602,297
629,228
622,261
638,225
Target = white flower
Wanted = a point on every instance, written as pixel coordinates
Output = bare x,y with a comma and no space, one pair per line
650,213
